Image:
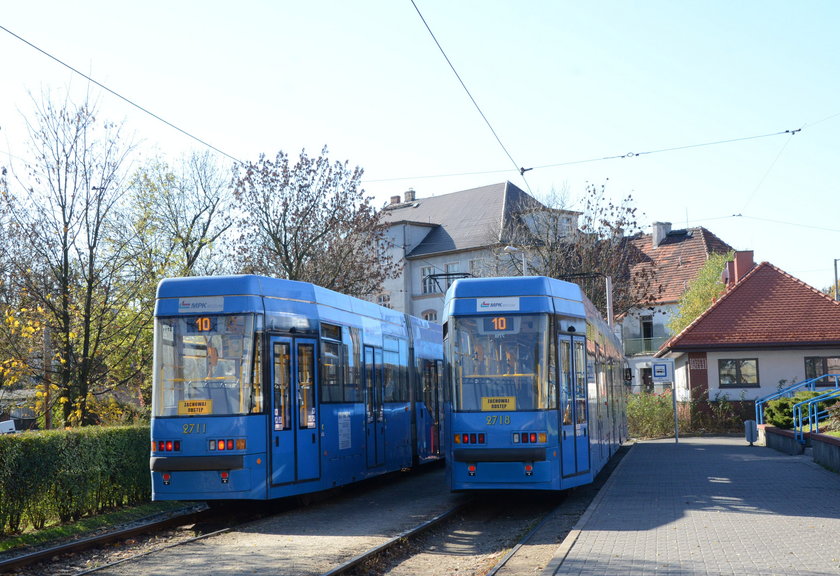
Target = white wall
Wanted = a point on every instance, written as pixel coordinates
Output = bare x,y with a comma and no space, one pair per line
773,367
420,302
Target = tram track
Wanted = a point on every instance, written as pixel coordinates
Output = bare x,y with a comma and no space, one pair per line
505,534
17,561
201,520
332,532
406,527
482,539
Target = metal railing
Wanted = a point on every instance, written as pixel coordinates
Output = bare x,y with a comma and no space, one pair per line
634,346
791,390
814,414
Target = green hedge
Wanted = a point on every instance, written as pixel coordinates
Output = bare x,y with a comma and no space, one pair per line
62,475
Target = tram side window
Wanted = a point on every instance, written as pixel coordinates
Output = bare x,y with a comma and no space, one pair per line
396,378
551,389
391,381
352,356
282,388
428,381
405,393
566,392
256,404
306,385
580,382
332,372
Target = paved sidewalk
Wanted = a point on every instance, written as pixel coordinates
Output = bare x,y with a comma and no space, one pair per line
708,506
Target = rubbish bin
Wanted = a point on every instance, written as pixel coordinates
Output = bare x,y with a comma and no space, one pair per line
751,431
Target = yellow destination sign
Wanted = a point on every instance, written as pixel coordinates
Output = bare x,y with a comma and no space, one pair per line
501,403
195,407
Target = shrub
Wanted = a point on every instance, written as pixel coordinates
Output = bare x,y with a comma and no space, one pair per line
720,415
650,415
779,412
833,422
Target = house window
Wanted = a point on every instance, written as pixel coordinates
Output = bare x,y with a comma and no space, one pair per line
430,315
647,333
452,268
384,299
427,283
741,373
475,268
821,366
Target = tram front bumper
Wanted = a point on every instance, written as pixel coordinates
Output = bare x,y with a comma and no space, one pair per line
535,454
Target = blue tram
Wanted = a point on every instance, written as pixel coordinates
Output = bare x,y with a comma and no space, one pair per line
536,383
265,388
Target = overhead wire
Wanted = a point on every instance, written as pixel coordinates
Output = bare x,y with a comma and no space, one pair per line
769,169
121,97
521,170
518,168
606,158
772,221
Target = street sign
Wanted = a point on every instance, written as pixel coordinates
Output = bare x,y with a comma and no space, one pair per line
663,370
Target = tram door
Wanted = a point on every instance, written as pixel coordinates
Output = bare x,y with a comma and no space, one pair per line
574,428
430,431
374,413
294,435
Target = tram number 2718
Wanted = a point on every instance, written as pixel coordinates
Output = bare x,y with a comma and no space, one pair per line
496,420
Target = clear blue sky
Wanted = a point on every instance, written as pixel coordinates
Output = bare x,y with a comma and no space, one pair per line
559,81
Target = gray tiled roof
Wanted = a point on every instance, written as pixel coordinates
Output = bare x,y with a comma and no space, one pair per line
464,220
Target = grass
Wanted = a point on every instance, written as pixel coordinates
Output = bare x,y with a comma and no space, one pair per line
85,526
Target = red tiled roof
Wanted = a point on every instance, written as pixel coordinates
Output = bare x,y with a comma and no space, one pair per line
677,260
767,308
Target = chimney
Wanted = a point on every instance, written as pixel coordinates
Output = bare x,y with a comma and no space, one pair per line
395,199
660,230
743,263
409,195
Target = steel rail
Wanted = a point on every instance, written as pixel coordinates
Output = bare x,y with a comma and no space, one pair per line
23,560
385,546
524,540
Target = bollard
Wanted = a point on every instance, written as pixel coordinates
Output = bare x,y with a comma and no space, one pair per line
750,431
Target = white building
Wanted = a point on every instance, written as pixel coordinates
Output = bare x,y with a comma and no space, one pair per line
441,238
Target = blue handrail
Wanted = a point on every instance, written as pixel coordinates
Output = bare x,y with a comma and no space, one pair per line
815,415
789,391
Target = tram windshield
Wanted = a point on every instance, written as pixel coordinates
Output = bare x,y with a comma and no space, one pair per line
203,366
499,363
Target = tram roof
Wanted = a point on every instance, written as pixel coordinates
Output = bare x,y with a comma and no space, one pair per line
252,285
241,285
515,286
565,297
